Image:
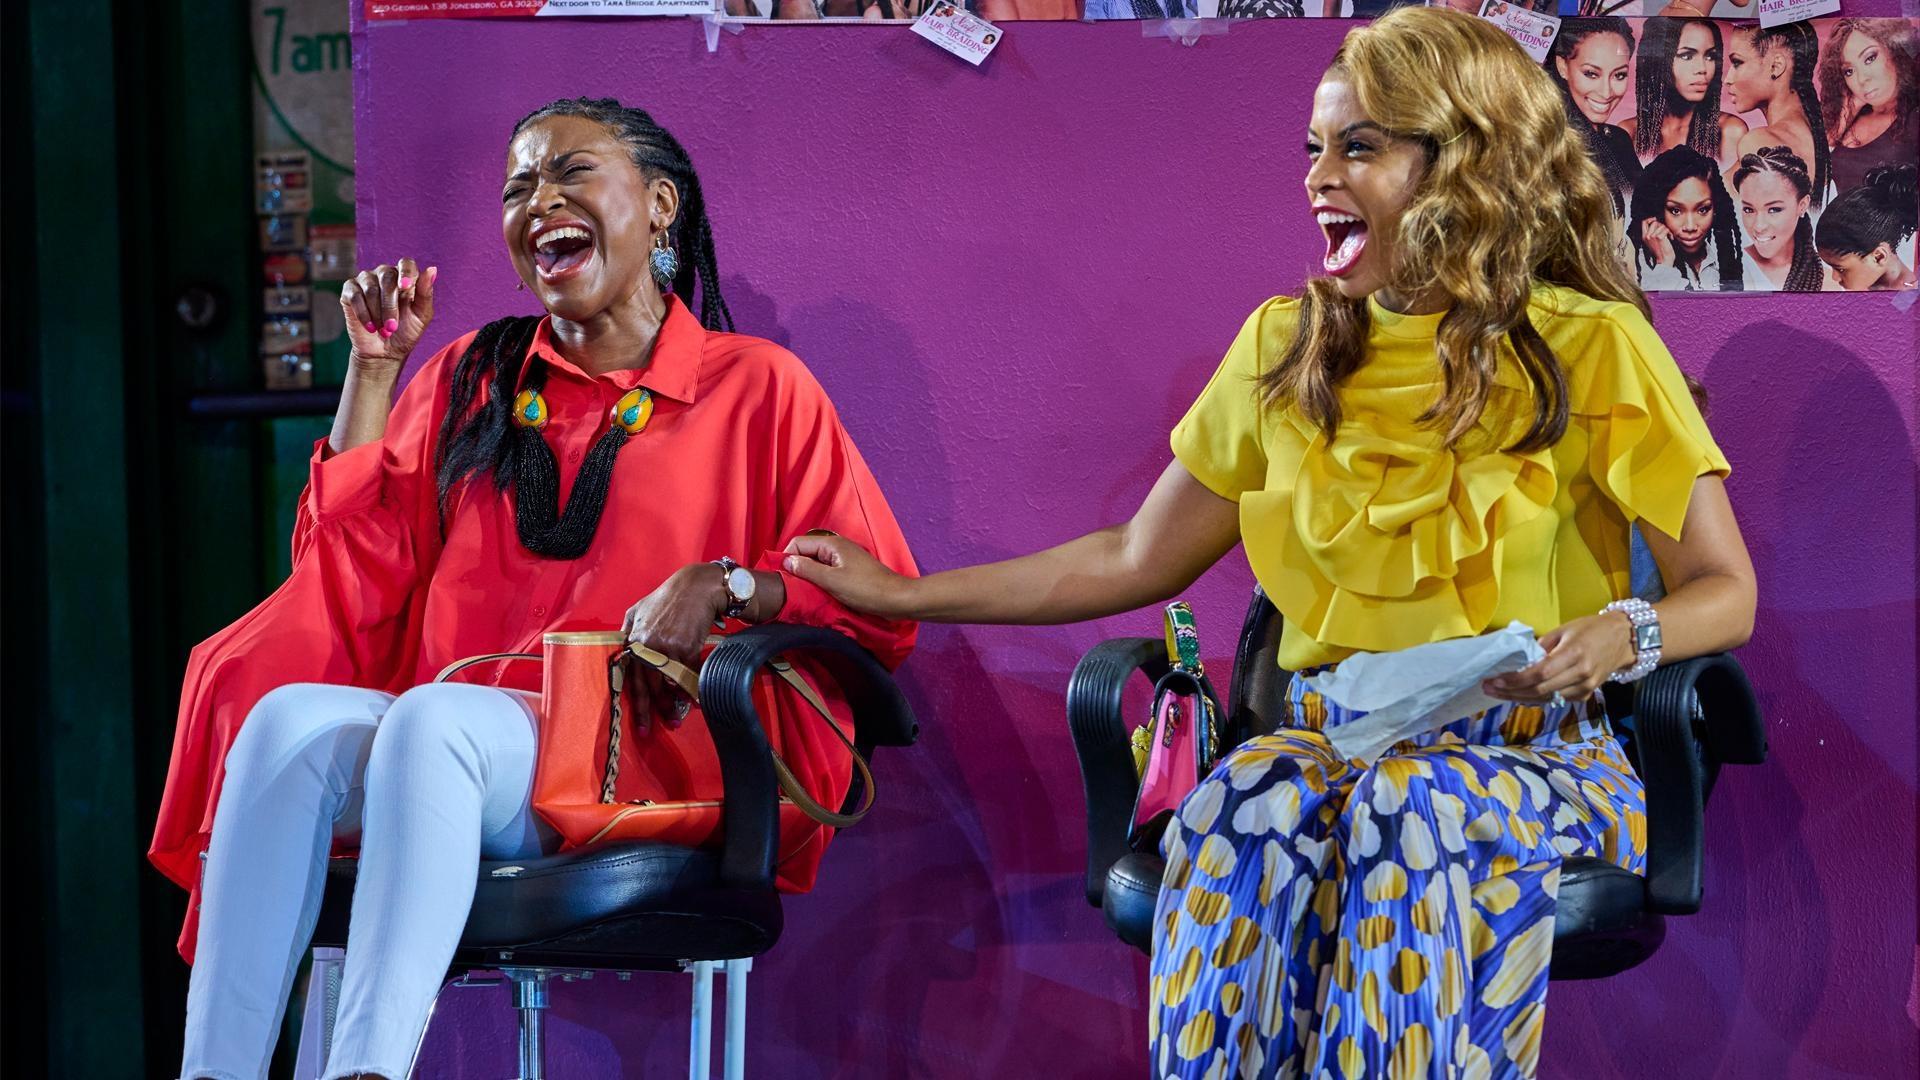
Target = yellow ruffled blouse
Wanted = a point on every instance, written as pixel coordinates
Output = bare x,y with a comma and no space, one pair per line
1385,538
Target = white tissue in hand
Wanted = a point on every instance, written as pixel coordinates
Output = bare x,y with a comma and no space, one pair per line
1414,691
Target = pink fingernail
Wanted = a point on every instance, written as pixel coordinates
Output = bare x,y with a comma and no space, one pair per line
406,283
393,325
792,564
372,329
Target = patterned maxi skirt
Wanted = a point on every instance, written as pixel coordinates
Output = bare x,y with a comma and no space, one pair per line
1327,920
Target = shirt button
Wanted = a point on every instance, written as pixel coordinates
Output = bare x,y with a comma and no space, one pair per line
539,612
573,455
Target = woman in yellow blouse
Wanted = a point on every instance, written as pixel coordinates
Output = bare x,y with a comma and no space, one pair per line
1453,429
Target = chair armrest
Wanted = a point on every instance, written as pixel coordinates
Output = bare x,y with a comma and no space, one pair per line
881,717
1100,742
1736,733
1680,747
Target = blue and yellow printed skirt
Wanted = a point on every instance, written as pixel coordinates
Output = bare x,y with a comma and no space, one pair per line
1325,920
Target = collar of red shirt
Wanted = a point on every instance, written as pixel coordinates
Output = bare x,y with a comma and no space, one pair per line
673,372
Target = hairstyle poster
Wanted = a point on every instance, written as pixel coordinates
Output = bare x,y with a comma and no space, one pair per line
1718,9
1000,11
901,11
1750,159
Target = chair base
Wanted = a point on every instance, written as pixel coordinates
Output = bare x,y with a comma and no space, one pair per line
734,1050
530,999
316,1019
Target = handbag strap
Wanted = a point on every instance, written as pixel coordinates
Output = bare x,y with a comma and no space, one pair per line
461,665
1183,656
1183,638
688,683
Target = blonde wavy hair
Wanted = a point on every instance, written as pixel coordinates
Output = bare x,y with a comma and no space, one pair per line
1509,197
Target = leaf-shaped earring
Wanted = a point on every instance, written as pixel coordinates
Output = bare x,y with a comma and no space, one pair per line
664,262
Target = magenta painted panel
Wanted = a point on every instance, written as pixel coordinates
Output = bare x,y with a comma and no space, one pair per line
1012,281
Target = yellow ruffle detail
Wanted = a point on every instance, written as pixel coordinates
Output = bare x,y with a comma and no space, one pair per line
1387,538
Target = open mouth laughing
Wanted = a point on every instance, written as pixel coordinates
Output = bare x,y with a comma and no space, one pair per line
1346,239
560,249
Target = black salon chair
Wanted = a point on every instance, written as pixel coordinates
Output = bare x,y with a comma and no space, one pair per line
1687,719
639,906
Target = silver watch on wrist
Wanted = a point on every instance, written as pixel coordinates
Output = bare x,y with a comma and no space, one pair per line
740,584
1646,639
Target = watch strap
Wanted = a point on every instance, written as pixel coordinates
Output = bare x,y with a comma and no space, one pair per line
736,604
1640,615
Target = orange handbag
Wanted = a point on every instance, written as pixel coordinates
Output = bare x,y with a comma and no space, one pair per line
605,772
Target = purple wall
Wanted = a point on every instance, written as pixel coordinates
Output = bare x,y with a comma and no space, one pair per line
1012,281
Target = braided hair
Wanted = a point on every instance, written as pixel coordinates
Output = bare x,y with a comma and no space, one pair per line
1655,97
1805,273
1245,9
484,437
1882,210
1803,45
1573,33
1669,171
657,154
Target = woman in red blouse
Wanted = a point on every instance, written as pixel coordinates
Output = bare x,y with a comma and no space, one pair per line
582,470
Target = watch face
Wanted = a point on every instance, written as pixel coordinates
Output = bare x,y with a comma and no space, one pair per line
1646,638
740,583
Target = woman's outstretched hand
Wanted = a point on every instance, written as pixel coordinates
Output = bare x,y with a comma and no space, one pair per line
387,309
849,574
1580,656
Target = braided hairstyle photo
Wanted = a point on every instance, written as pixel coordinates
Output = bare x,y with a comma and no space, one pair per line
1655,96
1805,273
1883,211
1662,176
1803,46
487,439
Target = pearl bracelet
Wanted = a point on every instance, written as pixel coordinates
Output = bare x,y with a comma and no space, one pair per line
1646,639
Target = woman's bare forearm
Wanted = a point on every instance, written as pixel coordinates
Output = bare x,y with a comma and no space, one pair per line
1085,578
1179,531
1712,592
365,400
1710,614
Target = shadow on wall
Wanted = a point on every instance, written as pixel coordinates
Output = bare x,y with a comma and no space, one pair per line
1810,857
888,420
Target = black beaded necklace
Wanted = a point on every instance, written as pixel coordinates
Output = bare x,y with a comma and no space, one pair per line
545,529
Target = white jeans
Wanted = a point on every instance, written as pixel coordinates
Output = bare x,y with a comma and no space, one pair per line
429,782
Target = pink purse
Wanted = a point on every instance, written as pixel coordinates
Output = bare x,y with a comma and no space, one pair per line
1180,742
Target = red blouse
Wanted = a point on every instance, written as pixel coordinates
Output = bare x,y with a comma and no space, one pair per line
743,452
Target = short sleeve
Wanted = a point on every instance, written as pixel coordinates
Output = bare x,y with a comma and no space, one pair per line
1220,440
1649,441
